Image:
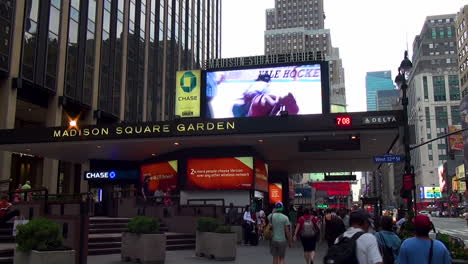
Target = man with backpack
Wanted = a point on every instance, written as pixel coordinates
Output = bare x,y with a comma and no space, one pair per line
308,231
355,245
281,234
421,248
389,242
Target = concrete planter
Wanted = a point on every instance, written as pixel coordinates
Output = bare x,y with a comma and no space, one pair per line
238,231
45,257
144,248
129,249
219,246
200,245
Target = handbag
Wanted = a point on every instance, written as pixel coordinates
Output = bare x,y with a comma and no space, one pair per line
268,231
17,223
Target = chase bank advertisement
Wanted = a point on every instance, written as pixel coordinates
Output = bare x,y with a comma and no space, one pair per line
257,92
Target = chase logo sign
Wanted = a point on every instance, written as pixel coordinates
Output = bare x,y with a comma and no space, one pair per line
188,94
188,82
100,175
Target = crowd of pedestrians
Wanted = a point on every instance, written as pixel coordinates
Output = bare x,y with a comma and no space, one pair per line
351,236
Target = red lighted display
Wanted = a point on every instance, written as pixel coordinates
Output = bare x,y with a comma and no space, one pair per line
343,121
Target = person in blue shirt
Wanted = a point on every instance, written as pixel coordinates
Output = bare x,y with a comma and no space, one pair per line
387,239
422,249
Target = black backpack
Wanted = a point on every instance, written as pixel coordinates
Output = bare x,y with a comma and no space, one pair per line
344,252
387,252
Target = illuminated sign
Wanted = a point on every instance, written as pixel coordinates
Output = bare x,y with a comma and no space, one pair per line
188,94
262,59
379,120
275,192
322,205
111,175
232,173
160,175
432,192
343,121
264,91
261,175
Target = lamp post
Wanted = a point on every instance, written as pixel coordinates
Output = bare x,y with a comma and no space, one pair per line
401,82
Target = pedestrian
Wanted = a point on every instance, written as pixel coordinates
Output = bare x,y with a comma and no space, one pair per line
343,213
334,227
421,248
247,225
231,216
364,245
5,212
17,195
293,216
400,223
281,234
466,217
158,196
389,242
308,231
28,195
260,223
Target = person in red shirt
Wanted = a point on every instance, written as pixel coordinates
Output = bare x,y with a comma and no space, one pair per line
5,213
308,231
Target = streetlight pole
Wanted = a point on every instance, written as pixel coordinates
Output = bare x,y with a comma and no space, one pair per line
402,83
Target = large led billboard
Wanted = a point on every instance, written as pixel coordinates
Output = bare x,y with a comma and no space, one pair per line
432,192
275,192
233,173
261,175
264,91
161,175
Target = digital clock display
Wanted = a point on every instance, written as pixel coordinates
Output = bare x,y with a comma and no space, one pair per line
343,121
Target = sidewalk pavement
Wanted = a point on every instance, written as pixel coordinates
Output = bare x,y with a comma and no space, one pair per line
245,255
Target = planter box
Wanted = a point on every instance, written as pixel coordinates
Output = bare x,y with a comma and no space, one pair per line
200,244
239,232
459,261
219,246
144,248
45,257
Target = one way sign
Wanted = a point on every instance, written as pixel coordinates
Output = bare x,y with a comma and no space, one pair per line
388,159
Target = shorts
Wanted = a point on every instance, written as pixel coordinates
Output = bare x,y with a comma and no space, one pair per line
278,248
308,243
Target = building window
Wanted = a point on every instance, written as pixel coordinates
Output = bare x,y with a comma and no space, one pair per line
449,32
6,22
441,119
425,88
434,33
438,83
454,88
428,117
455,113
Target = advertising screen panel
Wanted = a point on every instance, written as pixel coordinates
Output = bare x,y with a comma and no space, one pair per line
432,192
275,192
161,175
261,175
296,89
455,140
231,173
188,95
442,171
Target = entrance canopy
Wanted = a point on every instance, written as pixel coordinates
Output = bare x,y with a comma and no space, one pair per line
312,143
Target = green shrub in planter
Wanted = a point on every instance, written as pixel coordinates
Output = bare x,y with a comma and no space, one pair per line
223,229
39,234
207,224
143,225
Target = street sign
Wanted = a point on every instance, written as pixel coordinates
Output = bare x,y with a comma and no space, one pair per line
388,159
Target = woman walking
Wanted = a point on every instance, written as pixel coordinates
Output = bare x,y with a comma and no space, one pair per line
308,231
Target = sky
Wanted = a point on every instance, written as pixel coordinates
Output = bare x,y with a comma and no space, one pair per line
372,34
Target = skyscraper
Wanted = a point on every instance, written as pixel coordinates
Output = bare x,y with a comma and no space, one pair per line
434,94
97,61
298,26
377,81
461,29
387,99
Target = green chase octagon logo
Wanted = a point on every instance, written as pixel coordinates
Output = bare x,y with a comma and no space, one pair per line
188,82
